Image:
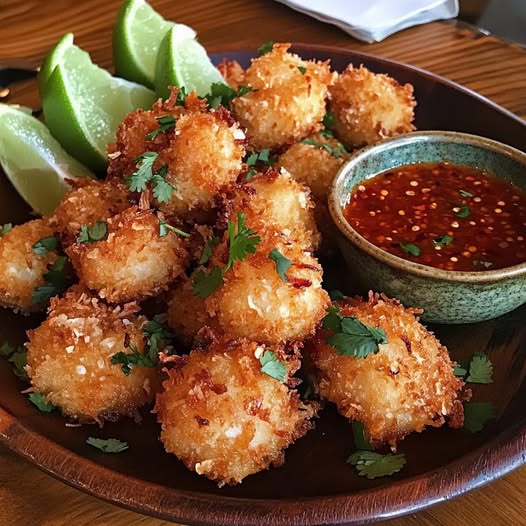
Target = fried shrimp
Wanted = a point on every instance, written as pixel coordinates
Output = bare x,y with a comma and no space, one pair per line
224,417
88,202
278,207
22,269
69,358
202,154
133,261
288,98
369,107
408,385
256,302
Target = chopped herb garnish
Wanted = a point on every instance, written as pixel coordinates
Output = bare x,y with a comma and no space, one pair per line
442,241
138,180
465,193
335,151
108,445
266,47
373,465
4,229
55,281
17,356
410,249
165,227
45,245
162,189
328,121
302,70
459,371
210,244
485,264
263,157
181,96
352,337
480,369
157,334
41,403
336,295
358,432
166,122
91,234
477,415
222,94
273,367
464,211
282,263
130,360
242,241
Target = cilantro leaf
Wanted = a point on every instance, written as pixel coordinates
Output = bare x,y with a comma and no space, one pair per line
4,229
166,122
206,283
108,445
442,241
477,415
373,465
410,249
130,360
480,369
336,295
271,366
465,193
282,263
165,227
39,400
162,189
333,319
138,180
157,334
222,94
328,121
360,442
98,231
210,244
45,245
181,96
266,47
17,356
485,264
335,151
464,211
302,70
459,371
55,281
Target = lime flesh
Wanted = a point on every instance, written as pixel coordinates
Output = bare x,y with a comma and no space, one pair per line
34,161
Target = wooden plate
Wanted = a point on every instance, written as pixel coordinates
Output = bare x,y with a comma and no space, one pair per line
315,485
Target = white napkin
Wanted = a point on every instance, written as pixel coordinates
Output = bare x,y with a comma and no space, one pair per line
373,20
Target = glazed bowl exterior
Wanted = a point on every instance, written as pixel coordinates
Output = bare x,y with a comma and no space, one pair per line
446,296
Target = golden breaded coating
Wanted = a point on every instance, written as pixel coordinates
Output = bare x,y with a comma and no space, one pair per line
21,269
186,312
254,302
232,72
69,358
369,107
408,385
134,261
287,104
277,207
226,419
88,202
203,153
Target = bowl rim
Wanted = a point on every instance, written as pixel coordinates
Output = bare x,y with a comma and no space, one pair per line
337,187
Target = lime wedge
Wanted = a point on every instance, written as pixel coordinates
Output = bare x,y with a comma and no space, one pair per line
184,63
34,161
137,33
60,54
83,105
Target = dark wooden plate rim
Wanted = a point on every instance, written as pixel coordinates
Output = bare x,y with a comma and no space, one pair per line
504,453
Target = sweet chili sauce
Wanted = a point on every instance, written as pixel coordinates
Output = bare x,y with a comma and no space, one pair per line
447,216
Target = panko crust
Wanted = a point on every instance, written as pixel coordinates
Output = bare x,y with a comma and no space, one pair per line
408,385
134,262
254,302
369,107
232,72
277,207
86,203
69,358
21,269
226,419
285,105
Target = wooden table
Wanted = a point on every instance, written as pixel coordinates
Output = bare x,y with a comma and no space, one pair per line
484,63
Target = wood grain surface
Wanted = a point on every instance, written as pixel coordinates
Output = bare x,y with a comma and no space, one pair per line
491,67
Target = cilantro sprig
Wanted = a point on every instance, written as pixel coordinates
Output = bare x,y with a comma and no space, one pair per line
242,241
336,295
254,158
352,337
40,401
55,281
108,445
477,415
98,231
336,151
282,263
45,245
373,465
4,229
411,249
222,94
266,47
166,122
272,366
132,359
16,355
478,371
210,244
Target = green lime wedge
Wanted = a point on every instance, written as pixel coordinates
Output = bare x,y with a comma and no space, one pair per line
184,63
64,52
137,34
84,105
34,161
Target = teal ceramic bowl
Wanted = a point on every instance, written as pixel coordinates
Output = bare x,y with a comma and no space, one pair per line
446,296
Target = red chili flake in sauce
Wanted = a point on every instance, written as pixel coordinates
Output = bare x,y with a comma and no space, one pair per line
443,215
